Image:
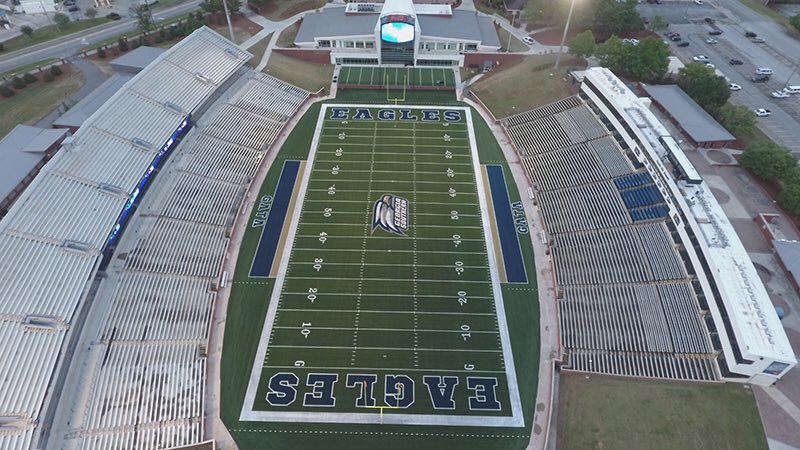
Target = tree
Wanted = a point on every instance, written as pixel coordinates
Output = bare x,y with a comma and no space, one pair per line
18,83
614,54
739,120
5,91
658,23
29,78
122,44
583,44
61,20
649,60
101,53
91,13
790,198
768,160
619,17
704,86
144,18
27,31
795,21
55,71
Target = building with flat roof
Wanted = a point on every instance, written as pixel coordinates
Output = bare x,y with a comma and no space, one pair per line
698,125
24,151
397,32
750,340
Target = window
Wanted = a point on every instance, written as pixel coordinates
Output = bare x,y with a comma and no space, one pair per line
324,44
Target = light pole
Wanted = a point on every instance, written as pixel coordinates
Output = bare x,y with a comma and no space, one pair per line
228,18
508,47
564,36
790,77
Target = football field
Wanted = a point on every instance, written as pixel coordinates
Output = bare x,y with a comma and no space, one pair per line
396,76
387,306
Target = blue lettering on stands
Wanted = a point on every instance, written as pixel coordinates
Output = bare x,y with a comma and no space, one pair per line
144,182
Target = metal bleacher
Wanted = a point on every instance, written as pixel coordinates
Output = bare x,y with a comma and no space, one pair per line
51,241
148,392
625,298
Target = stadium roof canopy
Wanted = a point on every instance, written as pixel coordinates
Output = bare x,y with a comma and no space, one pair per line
137,59
755,325
51,239
21,150
693,119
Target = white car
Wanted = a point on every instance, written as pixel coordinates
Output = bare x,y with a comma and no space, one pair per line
698,2
711,41
734,87
781,94
528,40
700,58
711,66
761,112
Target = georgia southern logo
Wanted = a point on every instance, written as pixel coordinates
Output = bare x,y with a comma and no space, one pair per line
391,214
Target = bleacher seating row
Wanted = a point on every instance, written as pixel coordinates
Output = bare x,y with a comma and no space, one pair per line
148,392
50,240
625,300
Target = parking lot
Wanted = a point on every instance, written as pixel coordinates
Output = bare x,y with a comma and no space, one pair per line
779,52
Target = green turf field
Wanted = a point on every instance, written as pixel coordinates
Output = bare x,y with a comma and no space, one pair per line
396,76
387,307
247,313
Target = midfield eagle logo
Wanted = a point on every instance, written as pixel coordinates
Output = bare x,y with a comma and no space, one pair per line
391,214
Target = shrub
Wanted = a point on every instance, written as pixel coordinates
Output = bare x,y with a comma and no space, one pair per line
18,83
123,45
159,39
29,78
135,44
101,53
162,33
6,92
55,71
48,77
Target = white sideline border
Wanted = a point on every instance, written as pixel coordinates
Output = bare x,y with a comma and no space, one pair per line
516,419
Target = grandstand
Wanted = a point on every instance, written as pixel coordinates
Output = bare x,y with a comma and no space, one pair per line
146,389
634,294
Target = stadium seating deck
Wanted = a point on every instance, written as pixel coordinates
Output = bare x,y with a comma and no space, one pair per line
625,300
149,391
51,236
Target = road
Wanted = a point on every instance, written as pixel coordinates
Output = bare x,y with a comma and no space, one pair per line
68,46
781,53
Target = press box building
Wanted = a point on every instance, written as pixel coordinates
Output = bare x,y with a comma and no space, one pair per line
397,32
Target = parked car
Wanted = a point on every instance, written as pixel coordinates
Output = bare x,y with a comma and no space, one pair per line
711,41
750,34
761,112
711,66
759,78
700,58
683,44
734,87
113,16
698,2
764,71
73,8
709,20
758,40
675,38
715,32
781,94
528,40
736,62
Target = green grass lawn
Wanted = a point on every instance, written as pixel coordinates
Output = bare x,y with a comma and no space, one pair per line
307,75
509,42
622,413
502,90
31,104
284,9
250,299
258,50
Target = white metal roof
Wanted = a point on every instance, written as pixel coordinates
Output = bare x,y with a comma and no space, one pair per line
50,240
21,150
757,328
